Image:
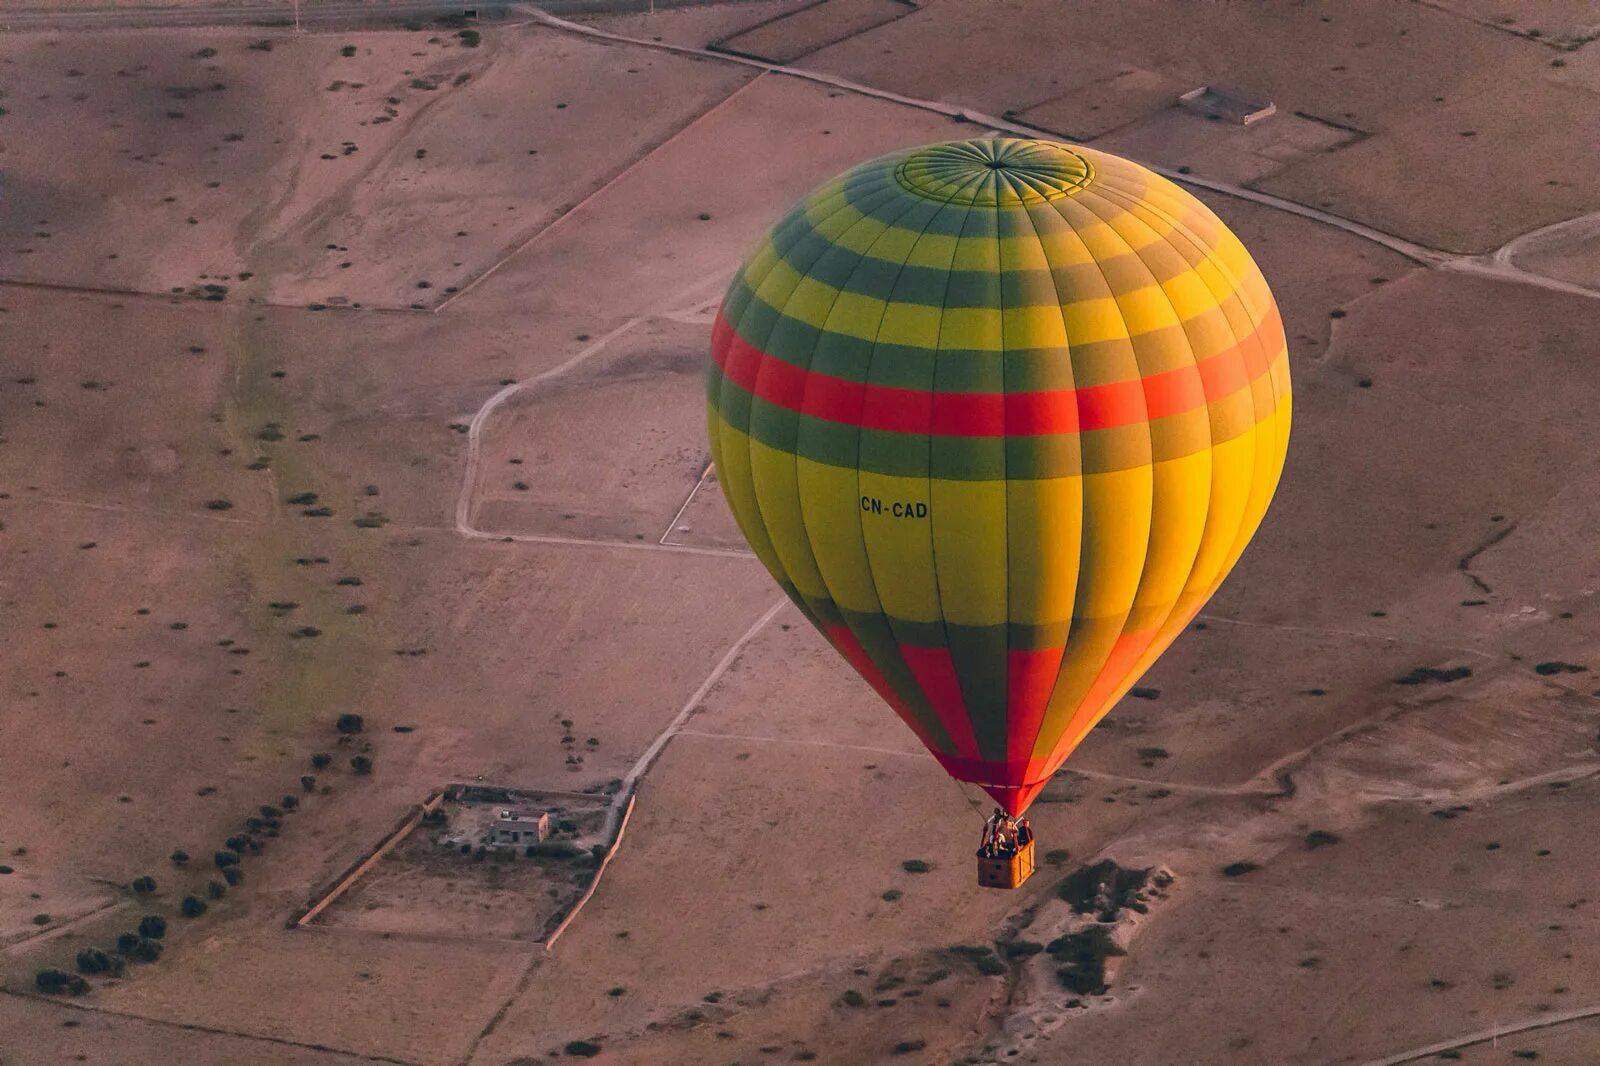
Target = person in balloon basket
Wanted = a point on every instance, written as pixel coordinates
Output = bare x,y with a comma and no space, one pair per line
1000,839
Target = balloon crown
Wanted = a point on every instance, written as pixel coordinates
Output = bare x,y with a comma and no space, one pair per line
995,172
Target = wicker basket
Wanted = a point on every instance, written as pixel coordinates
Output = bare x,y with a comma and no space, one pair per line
1008,872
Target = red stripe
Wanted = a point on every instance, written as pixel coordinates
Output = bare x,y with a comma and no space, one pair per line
992,414
935,672
1030,678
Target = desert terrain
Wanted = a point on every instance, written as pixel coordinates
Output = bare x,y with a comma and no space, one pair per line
358,371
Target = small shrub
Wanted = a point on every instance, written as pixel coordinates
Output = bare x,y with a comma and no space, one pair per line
349,723
146,950
981,956
852,998
192,906
891,894
1239,869
59,982
219,505
1428,673
916,866
348,50
233,875
152,927
321,760
1057,856
908,1047
308,782
226,860
179,857
289,803
216,889
144,886
1321,838
93,960
582,1049
361,764
126,942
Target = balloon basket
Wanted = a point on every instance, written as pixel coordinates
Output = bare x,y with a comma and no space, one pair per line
1007,871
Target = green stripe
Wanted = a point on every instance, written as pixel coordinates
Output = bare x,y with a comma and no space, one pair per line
979,655
1018,635
796,236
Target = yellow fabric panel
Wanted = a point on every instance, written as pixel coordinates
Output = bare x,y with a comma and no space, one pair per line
1190,295
968,520
1034,327
772,478
832,507
1182,499
1271,442
1088,646
810,300
910,324
1044,524
1089,321
730,450
1116,532
775,289
1233,468
900,550
1146,310
970,328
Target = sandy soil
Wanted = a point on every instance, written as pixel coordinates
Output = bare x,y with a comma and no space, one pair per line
183,636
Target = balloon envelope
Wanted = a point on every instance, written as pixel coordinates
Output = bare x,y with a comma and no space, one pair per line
999,415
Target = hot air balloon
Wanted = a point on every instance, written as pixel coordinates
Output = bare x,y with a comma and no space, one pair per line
999,415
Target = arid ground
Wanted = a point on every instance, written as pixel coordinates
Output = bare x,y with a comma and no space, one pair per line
358,371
